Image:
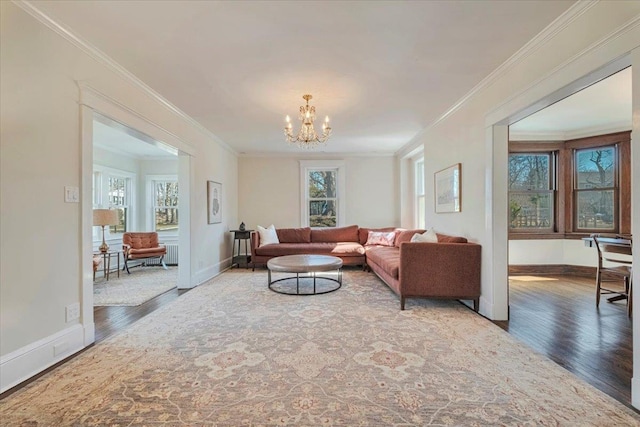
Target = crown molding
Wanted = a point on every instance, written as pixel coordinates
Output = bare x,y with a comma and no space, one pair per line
569,135
110,63
559,24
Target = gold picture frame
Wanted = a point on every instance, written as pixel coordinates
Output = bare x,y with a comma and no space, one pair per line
447,189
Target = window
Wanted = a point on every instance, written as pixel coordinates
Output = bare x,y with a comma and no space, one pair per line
420,220
118,199
322,198
322,193
165,206
595,189
531,191
113,189
570,189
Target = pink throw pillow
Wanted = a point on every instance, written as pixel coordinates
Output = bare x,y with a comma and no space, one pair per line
380,238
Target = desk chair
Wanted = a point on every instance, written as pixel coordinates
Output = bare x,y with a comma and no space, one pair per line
614,261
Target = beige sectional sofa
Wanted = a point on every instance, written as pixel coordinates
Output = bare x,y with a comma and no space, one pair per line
447,269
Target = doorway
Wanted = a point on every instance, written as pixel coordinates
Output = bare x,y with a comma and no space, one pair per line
560,160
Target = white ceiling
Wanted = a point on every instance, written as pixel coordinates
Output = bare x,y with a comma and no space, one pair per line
112,136
601,108
382,70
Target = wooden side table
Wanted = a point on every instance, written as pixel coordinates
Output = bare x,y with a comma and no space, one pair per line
238,259
106,262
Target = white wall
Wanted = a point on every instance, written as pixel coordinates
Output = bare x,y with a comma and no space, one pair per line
269,191
41,152
601,33
552,252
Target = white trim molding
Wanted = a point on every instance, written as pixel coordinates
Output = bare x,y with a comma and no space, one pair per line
25,362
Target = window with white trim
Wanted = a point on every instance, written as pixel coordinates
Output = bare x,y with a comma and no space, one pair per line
165,206
322,195
113,189
419,212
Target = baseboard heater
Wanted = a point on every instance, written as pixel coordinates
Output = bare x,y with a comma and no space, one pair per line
171,258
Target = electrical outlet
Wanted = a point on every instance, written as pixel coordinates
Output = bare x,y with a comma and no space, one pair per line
71,194
73,312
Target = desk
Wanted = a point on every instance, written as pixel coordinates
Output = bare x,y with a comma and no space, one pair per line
106,262
237,259
618,241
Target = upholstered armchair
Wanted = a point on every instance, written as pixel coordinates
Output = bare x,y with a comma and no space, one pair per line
142,245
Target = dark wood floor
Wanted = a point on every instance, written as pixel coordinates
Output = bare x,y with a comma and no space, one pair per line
557,317
109,320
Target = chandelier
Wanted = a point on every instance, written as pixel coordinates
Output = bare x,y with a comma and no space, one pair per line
307,137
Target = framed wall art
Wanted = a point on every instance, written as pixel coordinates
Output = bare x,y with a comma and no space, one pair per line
447,189
214,204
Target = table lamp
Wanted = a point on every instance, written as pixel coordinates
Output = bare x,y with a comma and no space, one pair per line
104,217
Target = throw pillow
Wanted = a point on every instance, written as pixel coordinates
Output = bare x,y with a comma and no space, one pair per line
268,236
429,236
381,238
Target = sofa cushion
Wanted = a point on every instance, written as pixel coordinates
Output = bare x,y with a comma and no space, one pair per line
381,238
363,233
334,235
342,249
294,235
428,236
268,236
406,235
388,258
444,238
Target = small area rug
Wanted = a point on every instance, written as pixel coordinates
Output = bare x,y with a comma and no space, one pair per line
233,353
143,284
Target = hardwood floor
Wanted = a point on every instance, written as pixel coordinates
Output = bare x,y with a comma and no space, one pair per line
557,316
109,320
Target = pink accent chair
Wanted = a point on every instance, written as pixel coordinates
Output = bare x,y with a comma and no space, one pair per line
142,245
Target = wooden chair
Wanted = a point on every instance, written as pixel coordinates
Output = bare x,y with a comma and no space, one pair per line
614,262
142,245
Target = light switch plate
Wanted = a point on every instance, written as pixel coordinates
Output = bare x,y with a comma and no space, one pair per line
71,194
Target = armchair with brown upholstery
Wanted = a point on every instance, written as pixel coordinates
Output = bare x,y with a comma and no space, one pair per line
142,245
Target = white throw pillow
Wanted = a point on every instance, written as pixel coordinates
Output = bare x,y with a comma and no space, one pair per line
268,236
429,236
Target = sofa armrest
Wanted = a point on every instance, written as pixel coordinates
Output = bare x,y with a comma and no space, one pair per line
255,241
440,269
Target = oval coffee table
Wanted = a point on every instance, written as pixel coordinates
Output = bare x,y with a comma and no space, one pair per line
310,264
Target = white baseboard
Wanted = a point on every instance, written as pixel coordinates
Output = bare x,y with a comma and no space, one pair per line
22,364
210,272
635,393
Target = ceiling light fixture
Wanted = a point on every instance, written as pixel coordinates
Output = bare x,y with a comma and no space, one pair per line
307,137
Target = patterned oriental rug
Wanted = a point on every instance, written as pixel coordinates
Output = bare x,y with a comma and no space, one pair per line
143,284
232,353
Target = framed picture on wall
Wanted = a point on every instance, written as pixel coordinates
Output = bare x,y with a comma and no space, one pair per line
447,189
214,204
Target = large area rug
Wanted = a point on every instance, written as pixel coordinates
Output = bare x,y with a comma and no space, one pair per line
232,353
143,284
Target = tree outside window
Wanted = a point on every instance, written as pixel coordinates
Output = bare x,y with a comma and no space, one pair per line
595,189
531,191
118,199
165,207
322,198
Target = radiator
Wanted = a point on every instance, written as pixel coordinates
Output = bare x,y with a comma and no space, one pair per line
171,258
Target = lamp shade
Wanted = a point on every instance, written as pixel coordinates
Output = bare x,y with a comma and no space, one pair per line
105,217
